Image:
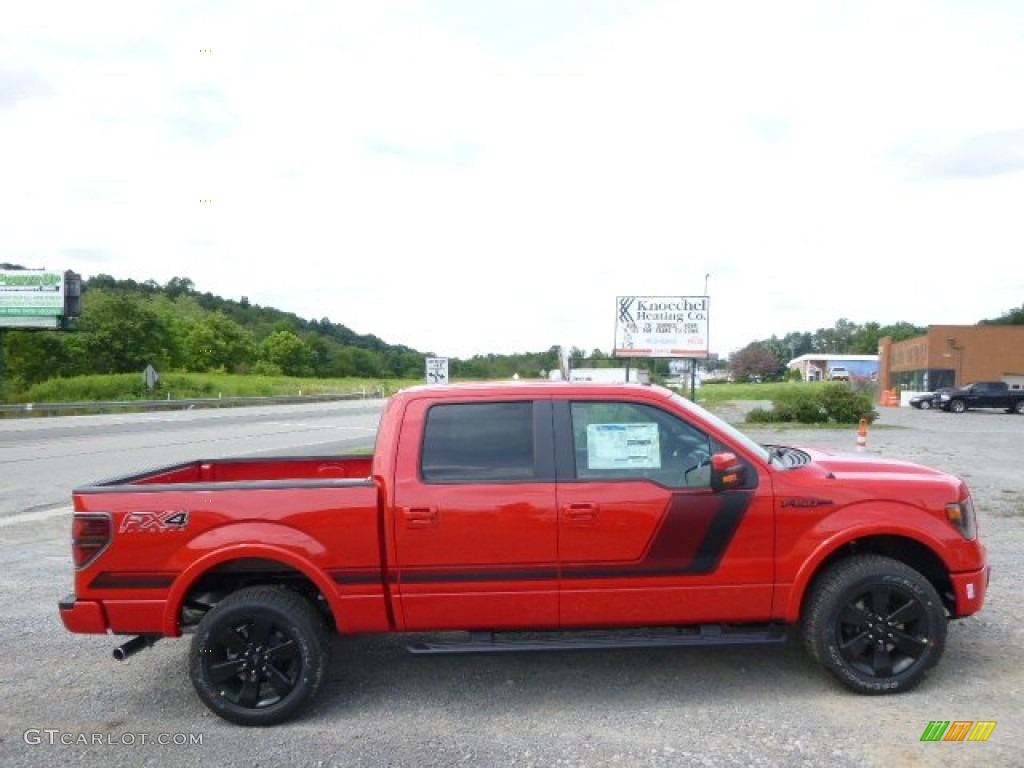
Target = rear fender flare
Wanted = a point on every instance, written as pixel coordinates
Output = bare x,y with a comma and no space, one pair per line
248,541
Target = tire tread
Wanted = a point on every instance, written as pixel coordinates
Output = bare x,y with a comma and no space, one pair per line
831,587
299,611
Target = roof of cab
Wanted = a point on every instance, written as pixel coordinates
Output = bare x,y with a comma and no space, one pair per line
530,387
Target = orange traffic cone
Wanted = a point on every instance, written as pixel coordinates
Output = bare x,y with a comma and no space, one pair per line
862,435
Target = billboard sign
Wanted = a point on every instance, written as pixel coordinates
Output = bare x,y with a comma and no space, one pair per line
31,298
37,321
661,326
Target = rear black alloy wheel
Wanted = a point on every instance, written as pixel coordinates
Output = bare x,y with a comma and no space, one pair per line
259,656
876,624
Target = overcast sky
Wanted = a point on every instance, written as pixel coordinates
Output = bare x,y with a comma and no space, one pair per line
474,176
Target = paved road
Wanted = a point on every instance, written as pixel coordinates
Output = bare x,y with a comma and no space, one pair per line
382,707
42,459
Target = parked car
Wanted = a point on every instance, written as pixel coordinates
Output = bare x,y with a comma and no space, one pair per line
838,374
928,400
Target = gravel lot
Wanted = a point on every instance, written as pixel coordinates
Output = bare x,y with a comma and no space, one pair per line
704,707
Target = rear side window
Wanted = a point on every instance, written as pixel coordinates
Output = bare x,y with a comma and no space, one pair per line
478,443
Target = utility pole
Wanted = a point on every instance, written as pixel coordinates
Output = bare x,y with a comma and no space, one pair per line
3,391
693,362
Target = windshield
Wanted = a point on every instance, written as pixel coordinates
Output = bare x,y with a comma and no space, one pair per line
726,428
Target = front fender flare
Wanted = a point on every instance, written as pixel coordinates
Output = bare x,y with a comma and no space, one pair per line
851,524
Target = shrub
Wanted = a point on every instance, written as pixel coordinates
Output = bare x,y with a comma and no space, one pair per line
830,403
844,405
263,368
760,416
120,386
801,406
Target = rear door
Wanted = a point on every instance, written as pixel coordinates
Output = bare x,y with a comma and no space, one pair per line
474,516
643,539
993,395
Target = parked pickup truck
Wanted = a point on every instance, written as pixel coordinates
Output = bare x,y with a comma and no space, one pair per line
838,374
516,514
983,394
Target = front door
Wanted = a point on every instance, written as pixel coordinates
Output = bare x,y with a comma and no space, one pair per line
643,539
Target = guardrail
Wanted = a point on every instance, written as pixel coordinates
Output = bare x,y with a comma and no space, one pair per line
103,406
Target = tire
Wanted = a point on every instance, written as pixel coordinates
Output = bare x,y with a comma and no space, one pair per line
1018,407
925,405
874,623
957,406
259,656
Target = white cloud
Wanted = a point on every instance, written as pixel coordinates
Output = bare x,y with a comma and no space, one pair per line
487,178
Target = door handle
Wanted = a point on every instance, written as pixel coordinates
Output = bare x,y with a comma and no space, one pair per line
581,513
420,517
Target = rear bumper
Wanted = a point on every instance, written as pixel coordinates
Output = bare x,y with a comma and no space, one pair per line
970,589
120,617
83,616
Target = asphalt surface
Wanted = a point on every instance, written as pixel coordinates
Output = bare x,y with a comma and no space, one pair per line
43,459
65,701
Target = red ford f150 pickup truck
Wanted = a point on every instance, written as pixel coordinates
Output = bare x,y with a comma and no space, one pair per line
518,513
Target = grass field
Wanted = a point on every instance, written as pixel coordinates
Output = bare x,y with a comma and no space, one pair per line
180,386
183,386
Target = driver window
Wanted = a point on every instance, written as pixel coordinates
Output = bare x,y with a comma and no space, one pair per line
630,441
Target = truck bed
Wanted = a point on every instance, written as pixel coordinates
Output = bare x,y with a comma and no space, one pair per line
314,520
275,469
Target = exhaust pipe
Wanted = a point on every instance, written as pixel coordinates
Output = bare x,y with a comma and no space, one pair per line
134,645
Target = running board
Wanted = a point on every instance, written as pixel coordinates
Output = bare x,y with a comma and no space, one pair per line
519,642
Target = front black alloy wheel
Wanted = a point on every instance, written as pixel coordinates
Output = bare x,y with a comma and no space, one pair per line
876,624
259,655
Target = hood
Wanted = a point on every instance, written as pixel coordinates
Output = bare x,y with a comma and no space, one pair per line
848,466
840,479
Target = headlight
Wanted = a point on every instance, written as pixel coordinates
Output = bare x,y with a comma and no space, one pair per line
962,516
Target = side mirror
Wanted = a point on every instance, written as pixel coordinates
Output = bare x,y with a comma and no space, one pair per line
727,472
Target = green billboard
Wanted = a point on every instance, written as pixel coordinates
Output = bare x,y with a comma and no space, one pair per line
31,298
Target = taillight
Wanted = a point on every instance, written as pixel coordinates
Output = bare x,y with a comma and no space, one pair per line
90,535
963,517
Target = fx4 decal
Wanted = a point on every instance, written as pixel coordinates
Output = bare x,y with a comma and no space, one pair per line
154,522
803,501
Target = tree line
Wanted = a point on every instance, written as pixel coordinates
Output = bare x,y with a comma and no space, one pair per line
126,325
767,358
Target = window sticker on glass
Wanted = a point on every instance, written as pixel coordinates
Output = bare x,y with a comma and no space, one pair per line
623,446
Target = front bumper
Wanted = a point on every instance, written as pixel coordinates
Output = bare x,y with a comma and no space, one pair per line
970,589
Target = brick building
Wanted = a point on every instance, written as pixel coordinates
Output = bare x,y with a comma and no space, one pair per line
953,355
